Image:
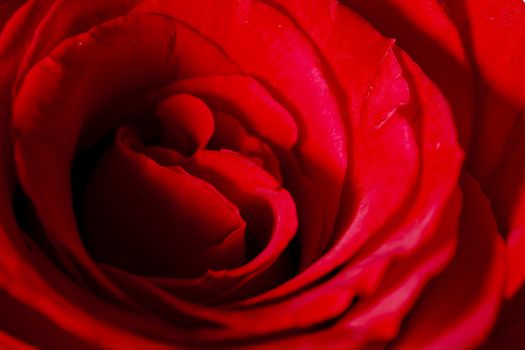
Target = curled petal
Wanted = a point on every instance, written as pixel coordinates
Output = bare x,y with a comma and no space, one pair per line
269,213
186,123
158,221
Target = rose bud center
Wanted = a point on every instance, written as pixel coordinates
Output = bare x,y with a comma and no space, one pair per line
161,220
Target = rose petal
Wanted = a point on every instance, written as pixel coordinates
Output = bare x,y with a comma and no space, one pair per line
506,190
440,158
424,30
494,33
66,18
269,213
51,299
515,249
15,39
229,134
377,317
507,333
374,318
8,8
186,123
8,342
471,303
34,328
159,221
501,94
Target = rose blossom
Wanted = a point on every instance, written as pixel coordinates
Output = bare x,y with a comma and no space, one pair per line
262,174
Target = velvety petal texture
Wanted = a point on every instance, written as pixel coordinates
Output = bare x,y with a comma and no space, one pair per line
262,174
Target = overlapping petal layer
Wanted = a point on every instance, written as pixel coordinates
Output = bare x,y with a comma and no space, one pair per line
258,173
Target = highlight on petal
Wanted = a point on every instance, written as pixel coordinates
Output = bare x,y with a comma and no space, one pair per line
8,342
8,9
515,249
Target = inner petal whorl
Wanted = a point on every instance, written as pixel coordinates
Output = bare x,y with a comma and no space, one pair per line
155,220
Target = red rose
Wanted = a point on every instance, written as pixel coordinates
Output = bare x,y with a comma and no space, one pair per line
262,174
